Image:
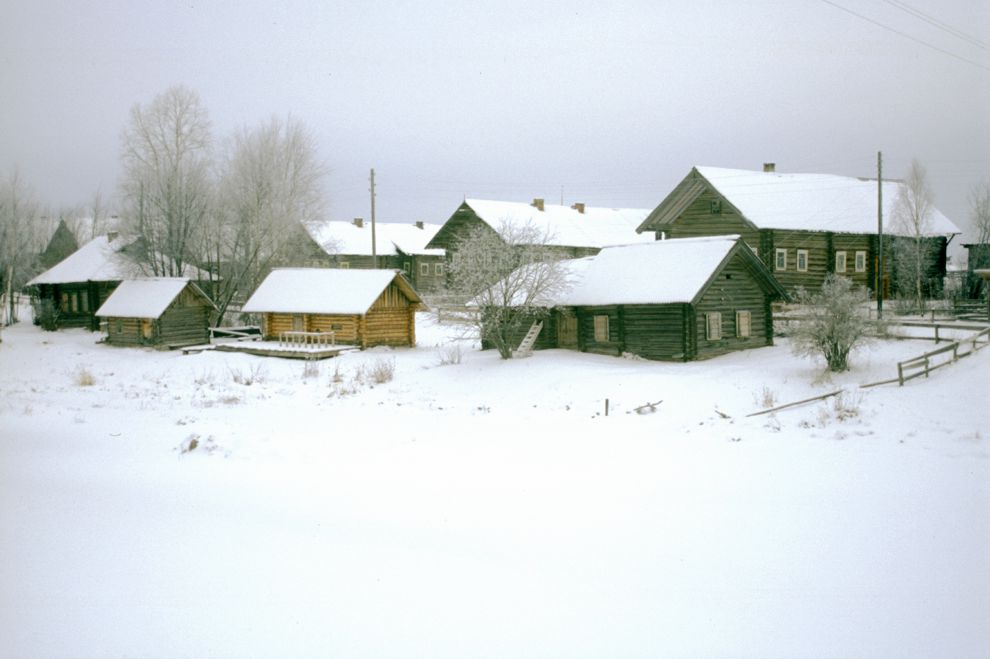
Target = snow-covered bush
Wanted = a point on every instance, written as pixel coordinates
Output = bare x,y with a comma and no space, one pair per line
84,378
248,377
449,353
834,322
382,371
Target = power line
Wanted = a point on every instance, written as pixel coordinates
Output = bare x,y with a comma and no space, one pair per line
906,36
931,20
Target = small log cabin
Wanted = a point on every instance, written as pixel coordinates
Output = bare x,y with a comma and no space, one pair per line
362,307
673,300
162,312
802,226
75,287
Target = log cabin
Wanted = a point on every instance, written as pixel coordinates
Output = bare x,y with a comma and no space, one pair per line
568,231
361,307
398,246
160,312
75,287
802,226
673,300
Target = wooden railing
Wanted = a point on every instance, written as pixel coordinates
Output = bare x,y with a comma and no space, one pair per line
924,364
290,339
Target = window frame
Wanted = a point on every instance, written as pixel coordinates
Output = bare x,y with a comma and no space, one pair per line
601,328
713,326
798,265
860,256
744,318
424,269
778,264
438,269
844,258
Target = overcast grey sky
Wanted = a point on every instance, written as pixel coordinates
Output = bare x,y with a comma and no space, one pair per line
611,102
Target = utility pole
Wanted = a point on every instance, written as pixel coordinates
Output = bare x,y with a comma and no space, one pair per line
879,282
374,251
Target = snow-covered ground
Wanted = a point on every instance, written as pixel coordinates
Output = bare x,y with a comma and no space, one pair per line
487,508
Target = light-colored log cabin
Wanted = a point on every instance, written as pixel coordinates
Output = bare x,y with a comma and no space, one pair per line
160,312
361,307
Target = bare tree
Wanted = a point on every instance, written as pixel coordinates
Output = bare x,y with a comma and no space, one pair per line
511,275
979,254
166,186
835,322
270,189
914,247
19,224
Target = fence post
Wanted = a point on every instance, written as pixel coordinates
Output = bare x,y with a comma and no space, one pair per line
900,373
936,334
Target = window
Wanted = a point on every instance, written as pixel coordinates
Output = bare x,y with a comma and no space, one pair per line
84,300
601,329
345,265
802,260
405,267
744,324
860,261
438,269
781,260
65,301
75,302
120,325
715,207
713,326
424,269
840,261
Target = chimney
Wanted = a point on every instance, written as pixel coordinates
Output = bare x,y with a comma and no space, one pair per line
358,222
538,204
419,224
770,167
578,206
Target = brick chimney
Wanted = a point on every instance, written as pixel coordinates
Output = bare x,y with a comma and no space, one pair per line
538,204
770,167
419,224
358,222
578,206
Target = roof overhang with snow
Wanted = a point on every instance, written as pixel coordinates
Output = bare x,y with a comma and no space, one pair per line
147,297
325,291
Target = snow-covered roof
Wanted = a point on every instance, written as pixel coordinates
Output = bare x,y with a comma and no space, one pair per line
810,202
564,225
323,290
98,260
348,238
658,272
144,298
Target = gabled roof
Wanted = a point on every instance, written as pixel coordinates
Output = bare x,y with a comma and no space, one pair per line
147,297
658,272
804,202
348,238
324,290
98,260
563,226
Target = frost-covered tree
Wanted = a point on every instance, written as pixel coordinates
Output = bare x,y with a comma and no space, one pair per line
979,215
19,231
509,273
167,189
271,187
914,247
836,321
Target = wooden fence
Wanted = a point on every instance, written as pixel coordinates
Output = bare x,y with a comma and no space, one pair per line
925,364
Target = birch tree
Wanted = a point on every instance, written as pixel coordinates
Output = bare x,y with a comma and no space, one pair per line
166,186
912,221
270,189
510,274
19,224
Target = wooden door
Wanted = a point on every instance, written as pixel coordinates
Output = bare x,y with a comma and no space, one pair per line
146,329
567,331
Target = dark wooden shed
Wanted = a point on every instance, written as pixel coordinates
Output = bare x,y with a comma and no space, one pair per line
675,300
162,312
361,307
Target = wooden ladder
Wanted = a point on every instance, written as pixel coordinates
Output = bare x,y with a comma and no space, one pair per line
525,348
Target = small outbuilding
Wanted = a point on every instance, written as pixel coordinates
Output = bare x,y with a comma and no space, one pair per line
678,300
361,307
162,312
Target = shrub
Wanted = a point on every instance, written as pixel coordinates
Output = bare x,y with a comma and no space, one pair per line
449,353
84,378
311,369
253,374
835,322
382,371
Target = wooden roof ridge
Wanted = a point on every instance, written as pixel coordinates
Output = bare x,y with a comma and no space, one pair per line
683,195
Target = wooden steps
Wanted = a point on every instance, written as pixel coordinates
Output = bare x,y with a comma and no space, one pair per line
525,348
